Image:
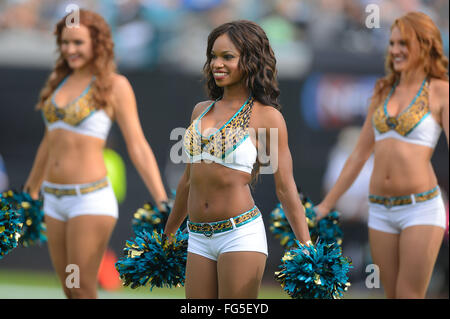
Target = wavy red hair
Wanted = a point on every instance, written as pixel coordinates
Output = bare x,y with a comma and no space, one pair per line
424,42
103,64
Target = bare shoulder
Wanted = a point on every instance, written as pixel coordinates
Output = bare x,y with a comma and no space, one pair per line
199,108
120,83
267,116
439,88
438,97
122,96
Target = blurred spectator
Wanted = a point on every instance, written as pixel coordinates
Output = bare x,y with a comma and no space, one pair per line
172,32
186,50
134,34
26,30
284,30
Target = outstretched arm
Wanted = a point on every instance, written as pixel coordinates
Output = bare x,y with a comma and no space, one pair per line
140,152
352,167
180,210
286,188
37,174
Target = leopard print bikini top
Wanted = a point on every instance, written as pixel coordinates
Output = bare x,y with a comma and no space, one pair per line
414,125
79,116
229,146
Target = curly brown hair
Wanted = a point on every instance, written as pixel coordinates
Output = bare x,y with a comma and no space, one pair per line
424,38
257,61
103,64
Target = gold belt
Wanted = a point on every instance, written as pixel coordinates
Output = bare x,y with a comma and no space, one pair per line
208,229
81,190
404,200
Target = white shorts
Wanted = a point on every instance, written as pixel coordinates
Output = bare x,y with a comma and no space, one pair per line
98,202
395,219
249,237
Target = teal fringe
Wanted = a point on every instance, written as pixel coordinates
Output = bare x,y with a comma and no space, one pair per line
149,218
151,259
327,229
31,215
314,272
10,228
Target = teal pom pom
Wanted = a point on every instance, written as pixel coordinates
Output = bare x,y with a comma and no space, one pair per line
152,259
314,272
327,229
31,215
10,228
149,218
280,228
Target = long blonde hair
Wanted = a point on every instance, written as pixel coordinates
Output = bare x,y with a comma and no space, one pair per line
419,28
103,64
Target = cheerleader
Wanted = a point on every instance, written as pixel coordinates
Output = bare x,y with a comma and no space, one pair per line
79,102
409,109
227,245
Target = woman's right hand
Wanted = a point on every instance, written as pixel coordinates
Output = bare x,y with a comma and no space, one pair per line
34,194
170,238
321,210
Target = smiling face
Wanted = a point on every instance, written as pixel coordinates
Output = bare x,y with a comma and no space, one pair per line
224,62
398,50
401,52
76,47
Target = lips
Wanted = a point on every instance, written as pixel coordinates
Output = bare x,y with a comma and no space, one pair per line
219,75
398,59
73,58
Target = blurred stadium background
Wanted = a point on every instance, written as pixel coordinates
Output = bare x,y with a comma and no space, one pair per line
328,61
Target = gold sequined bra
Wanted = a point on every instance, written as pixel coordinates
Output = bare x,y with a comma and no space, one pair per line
413,125
79,116
229,146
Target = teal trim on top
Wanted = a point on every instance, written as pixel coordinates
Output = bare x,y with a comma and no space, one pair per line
85,91
409,106
234,147
423,117
235,114
415,98
387,100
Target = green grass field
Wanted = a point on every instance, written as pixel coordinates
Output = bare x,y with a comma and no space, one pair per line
21,284
16,284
